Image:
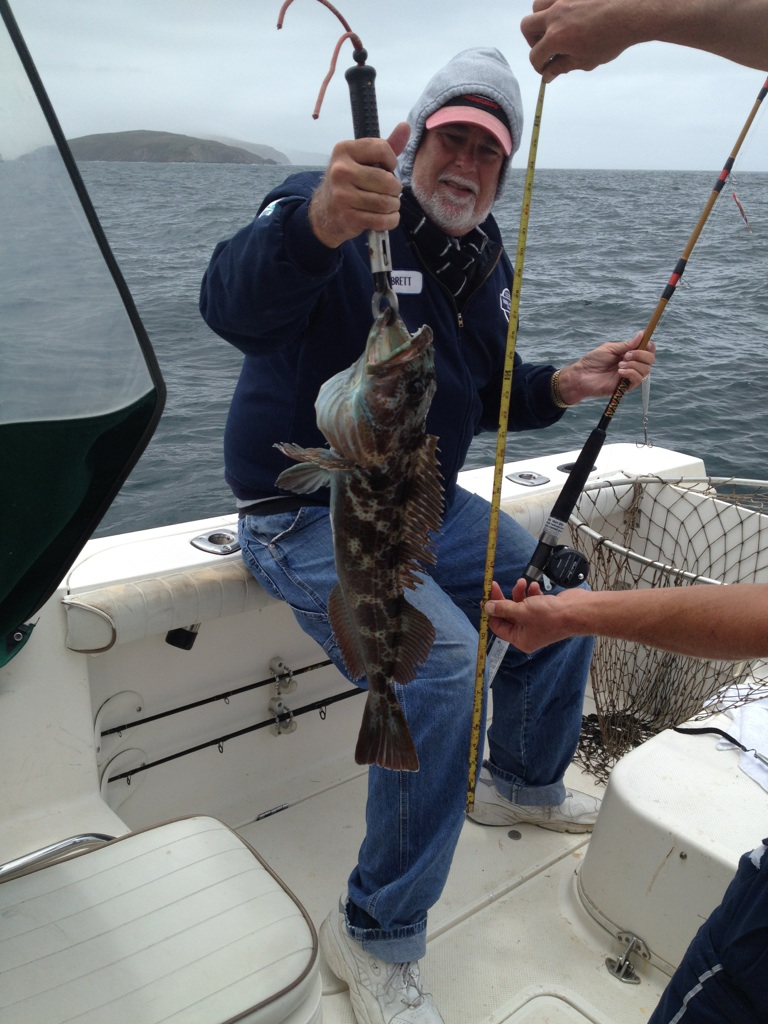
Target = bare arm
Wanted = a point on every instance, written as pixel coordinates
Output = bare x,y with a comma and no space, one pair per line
568,34
728,622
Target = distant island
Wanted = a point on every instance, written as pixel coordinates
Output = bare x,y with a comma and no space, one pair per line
167,147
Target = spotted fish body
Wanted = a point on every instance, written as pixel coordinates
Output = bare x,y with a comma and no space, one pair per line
386,498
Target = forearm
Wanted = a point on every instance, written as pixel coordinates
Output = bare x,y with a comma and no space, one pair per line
736,29
703,621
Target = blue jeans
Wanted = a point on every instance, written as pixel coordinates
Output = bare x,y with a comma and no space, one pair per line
723,977
414,819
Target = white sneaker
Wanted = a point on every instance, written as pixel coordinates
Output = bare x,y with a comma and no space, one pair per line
381,993
577,813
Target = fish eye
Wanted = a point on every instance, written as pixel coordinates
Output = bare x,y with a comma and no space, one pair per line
416,388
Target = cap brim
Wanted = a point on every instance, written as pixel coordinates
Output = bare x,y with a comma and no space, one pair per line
470,115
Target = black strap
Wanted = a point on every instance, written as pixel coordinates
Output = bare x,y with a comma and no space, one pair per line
711,729
279,503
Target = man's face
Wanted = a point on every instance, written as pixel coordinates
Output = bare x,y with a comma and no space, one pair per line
456,175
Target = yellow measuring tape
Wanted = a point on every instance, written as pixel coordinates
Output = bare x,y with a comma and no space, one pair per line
501,439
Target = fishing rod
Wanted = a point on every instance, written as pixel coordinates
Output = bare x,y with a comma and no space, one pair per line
579,473
501,437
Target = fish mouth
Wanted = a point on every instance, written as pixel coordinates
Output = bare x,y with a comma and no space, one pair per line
391,344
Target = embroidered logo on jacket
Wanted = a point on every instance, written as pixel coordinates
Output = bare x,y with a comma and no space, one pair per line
505,301
269,210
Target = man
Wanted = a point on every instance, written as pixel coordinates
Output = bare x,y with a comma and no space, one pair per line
293,292
722,977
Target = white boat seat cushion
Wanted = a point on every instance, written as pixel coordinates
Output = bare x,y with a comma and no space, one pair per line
180,923
99,619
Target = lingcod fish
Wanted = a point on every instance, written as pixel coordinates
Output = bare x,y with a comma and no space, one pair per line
386,501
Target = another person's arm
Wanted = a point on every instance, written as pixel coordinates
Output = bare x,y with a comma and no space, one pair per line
565,35
704,621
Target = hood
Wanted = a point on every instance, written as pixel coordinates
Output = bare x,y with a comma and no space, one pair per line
482,70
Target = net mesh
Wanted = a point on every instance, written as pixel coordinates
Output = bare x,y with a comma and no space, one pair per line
651,532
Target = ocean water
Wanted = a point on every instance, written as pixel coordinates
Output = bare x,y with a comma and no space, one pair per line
601,248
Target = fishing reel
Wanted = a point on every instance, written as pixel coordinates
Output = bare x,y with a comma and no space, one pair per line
566,567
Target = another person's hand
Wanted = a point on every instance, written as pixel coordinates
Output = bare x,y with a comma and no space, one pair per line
530,620
359,191
565,35
568,34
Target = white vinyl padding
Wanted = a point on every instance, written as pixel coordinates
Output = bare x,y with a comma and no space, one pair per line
181,923
99,619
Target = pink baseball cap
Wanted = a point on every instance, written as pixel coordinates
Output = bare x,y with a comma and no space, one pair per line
479,110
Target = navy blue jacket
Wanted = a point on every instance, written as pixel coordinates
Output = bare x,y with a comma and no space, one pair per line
301,312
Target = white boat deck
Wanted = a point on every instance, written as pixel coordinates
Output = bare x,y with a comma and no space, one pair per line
511,939
508,940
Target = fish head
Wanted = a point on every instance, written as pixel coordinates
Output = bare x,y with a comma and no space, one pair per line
378,406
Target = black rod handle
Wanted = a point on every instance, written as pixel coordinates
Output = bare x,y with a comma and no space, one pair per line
565,504
362,94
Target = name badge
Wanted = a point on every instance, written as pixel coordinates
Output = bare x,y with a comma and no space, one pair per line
407,282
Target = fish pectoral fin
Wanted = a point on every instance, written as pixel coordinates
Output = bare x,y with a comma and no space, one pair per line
417,634
346,633
303,479
315,471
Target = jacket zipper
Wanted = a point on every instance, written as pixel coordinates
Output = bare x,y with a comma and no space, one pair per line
478,286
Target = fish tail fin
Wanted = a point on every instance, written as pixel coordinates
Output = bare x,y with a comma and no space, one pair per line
384,738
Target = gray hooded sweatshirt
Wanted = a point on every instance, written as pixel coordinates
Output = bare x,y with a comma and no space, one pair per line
481,70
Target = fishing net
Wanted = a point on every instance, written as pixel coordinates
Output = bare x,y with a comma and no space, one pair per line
651,532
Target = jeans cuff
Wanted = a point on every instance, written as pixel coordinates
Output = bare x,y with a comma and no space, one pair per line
518,792
399,946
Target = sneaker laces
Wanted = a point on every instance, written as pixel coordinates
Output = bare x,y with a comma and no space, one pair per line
406,977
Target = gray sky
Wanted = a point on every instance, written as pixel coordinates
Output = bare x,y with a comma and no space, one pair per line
220,67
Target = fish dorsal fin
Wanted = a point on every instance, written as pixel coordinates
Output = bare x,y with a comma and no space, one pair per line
346,633
417,634
423,513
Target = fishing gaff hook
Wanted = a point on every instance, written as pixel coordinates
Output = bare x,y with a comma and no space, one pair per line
577,478
501,439
365,120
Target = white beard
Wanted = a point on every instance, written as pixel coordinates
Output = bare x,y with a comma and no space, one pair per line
451,214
